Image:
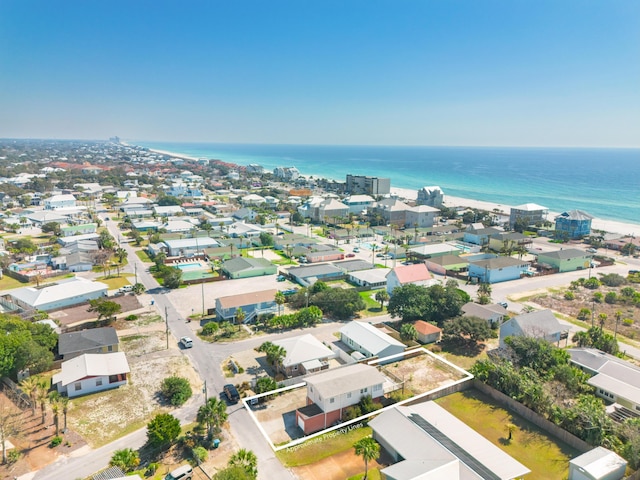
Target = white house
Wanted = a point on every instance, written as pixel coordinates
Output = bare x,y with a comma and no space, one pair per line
63,293
90,373
369,340
305,354
431,195
59,201
421,216
416,274
427,442
597,464
492,313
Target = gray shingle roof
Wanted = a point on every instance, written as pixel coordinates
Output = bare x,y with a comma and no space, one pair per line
86,340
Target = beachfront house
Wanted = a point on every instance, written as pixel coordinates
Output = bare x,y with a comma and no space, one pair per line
565,259
530,213
432,196
573,224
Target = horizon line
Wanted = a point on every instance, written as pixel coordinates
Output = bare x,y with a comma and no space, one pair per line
134,142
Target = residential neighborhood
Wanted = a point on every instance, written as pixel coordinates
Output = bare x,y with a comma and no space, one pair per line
255,314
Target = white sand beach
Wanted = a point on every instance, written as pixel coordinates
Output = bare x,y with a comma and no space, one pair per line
610,226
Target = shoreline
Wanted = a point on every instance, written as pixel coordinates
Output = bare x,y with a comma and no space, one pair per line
609,226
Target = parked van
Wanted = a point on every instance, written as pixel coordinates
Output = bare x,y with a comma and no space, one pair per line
182,473
126,289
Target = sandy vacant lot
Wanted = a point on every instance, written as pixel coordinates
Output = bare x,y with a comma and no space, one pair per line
278,415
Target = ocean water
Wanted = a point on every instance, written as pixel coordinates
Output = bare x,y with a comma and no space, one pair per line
602,182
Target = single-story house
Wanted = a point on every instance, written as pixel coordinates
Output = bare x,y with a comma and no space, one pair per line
185,247
441,265
179,226
167,211
324,256
74,262
566,259
369,340
66,241
93,340
63,293
309,274
597,464
432,250
416,274
615,380
372,278
541,324
146,225
427,332
305,354
41,217
71,230
493,269
90,373
492,313
354,265
252,304
427,442
330,392
246,267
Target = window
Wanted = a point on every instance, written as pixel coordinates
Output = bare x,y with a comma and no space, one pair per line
114,378
77,386
332,400
349,395
377,387
295,367
363,390
98,382
110,348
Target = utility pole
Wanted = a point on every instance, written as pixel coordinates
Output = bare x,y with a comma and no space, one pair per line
135,268
202,287
166,322
204,389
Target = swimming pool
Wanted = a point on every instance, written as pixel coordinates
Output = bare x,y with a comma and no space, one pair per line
190,266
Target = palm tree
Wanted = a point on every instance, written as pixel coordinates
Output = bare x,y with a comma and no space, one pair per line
280,300
602,318
213,414
381,296
122,254
240,316
127,459
246,460
368,449
65,403
54,400
30,386
510,429
618,316
42,396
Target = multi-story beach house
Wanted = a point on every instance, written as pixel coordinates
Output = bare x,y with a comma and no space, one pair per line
573,224
432,196
364,185
530,212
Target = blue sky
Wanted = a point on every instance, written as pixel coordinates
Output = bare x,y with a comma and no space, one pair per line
427,72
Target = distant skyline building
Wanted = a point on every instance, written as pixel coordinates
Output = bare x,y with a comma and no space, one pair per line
364,185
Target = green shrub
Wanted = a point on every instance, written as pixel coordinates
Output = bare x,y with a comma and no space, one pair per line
200,454
210,328
569,295
611,297
55,441
176,390
628,322
131,317
351,412
13,456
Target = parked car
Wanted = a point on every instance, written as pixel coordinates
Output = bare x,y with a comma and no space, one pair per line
503,304
281,278
592,250
291,291
184,472
126,289
356,249
186,342
231,392
350,255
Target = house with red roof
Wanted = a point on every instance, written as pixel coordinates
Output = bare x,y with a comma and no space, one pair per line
417,274
427,332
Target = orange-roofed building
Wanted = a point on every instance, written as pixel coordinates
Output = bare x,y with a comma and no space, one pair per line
417,274
427,332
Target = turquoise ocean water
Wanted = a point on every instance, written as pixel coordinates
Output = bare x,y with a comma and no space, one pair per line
602,182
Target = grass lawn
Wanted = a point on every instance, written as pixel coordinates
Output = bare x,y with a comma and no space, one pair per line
116,282
142,255
372,474
321,447
373,308
546,457
7,283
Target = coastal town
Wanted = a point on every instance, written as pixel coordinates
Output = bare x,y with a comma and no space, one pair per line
170,317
